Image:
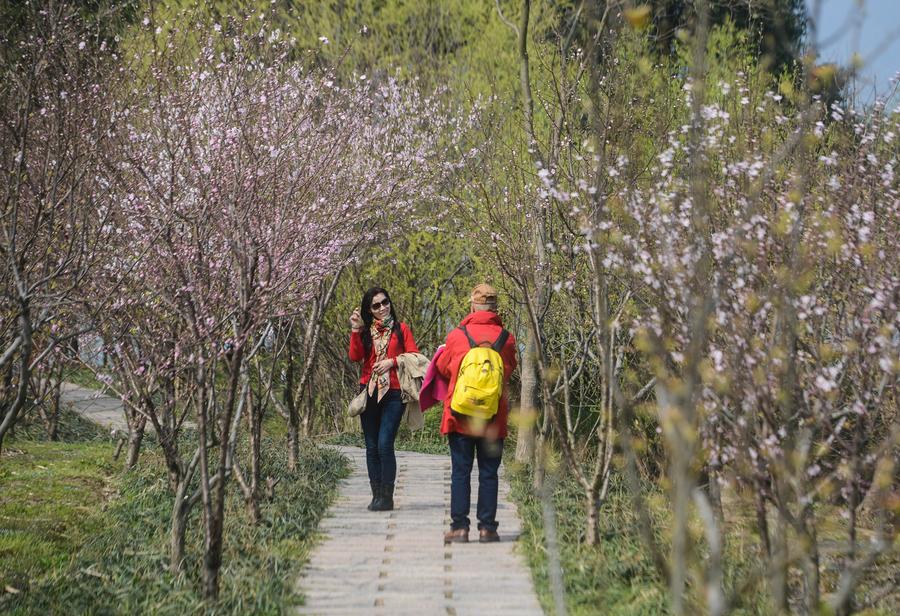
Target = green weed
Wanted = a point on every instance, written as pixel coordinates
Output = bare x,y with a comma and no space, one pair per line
119,560
52,501
615,577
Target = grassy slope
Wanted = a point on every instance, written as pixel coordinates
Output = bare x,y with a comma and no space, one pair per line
77,536
51,503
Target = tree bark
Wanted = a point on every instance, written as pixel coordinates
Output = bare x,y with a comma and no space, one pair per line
254,420
290,403
525,437
177,531
53,423
215,510
293,442
25,348
135,439
592,518
526,443
46,392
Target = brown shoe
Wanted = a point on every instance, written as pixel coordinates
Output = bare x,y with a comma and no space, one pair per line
458,535
488,536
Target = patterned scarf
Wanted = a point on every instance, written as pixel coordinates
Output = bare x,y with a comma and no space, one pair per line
381,336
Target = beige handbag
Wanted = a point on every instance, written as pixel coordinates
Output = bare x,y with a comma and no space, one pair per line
358,404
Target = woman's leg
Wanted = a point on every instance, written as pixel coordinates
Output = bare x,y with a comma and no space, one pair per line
370,420
391,415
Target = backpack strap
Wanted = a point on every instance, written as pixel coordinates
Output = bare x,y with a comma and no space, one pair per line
472,343
500,342
498,345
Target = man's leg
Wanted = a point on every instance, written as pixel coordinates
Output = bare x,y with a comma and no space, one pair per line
462,456
489,455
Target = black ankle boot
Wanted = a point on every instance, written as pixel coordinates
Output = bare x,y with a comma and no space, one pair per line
376,496
387,498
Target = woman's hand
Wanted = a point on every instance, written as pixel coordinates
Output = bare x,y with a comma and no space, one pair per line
356,322
382,366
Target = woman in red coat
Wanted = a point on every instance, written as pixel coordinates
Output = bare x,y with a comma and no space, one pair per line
377,337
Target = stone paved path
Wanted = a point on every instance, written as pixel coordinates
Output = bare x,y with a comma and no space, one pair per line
95,406
395,563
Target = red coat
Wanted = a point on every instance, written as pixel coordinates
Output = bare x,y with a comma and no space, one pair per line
357,353
482,326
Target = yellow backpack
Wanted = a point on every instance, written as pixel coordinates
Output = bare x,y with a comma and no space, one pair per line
479,383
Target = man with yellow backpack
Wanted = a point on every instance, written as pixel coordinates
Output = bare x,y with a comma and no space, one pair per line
478,359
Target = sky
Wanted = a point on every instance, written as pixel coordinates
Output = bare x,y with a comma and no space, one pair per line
864,26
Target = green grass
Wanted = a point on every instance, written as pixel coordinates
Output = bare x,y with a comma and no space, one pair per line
615,577
51,503
427,440
78,537
71,428
82,375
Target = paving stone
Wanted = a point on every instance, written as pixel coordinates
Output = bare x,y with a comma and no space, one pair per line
418,574
95,406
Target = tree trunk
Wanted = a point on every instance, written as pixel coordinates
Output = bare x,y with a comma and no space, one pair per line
135,439
779,570
592,518
762,523
46,390
306,423
179,481
812,565
212,561
525,437
293,442
53,429
290,404
215,511
53,423
12,411
177,531
715,495
255,438
255,417
250,492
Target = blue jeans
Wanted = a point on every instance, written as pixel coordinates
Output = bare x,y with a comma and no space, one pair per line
463,450
380,423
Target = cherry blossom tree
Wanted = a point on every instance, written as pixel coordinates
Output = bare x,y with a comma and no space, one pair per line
243,183
57,119
723,270
766,287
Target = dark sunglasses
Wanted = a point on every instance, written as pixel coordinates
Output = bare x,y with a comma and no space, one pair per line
383,304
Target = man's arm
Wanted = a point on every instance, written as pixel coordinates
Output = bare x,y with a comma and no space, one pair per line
509,356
